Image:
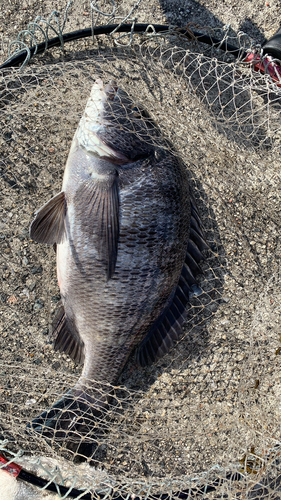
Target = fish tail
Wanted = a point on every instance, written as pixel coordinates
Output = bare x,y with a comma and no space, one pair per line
73,421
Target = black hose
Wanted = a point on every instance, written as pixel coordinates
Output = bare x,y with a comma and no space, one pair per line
124,28
41,483
272,47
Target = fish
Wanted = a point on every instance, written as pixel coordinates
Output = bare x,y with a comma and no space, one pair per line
129,242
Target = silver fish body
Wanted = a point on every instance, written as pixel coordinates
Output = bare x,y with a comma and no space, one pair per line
128,241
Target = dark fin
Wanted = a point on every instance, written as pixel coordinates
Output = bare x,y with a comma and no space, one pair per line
66,337
198,239
194,225
194,211
187,275
72,422
194,251
196,228
167,329
48,225
192,264
99,205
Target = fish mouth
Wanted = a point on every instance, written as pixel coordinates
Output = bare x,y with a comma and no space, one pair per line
99,90
107,110
93,121
111,89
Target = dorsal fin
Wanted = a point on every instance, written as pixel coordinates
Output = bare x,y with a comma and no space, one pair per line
48,225
66,337
168,327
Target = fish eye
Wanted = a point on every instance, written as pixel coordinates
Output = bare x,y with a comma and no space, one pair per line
139,112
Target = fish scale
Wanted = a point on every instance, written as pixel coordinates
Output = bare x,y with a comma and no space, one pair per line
138,294
129,241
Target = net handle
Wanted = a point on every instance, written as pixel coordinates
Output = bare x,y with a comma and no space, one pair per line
273,46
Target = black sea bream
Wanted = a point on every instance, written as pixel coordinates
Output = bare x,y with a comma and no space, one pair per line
128,241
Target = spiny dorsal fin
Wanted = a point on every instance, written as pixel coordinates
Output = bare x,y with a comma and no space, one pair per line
167,329
66,337
48,225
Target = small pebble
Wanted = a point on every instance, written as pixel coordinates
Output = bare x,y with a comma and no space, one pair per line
37,270
38,305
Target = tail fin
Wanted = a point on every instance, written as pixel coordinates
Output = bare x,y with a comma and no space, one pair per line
73,422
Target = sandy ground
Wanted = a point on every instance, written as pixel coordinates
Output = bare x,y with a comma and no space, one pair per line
215,398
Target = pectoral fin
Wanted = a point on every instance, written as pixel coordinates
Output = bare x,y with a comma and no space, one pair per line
98,203
48,225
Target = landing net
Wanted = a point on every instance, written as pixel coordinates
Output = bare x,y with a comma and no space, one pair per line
205,419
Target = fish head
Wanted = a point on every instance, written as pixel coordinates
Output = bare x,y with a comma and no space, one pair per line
115,127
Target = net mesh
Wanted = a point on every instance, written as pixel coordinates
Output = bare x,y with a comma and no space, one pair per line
205,418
